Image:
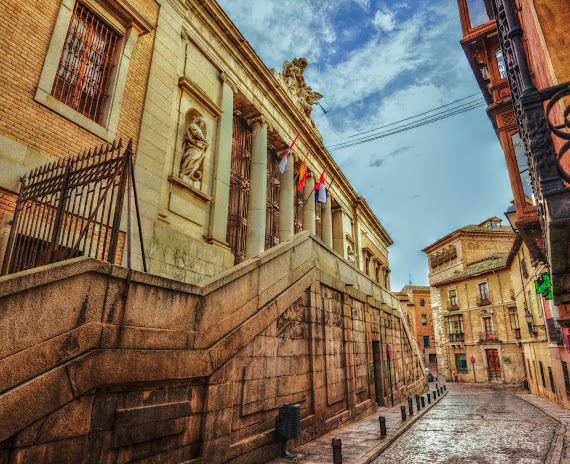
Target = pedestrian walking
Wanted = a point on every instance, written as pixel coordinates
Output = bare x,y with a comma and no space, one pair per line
455,374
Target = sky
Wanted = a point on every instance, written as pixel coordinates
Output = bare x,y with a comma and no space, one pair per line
376,62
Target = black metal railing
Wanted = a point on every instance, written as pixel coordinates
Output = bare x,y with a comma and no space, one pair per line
483,301
73,207
452,304
517,333
456,337
555,332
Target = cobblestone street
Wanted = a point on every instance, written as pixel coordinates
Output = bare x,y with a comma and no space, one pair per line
483,425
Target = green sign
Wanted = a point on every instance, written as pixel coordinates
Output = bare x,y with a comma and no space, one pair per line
542,285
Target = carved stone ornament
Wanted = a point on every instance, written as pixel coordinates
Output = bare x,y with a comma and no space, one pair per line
295,83
193,149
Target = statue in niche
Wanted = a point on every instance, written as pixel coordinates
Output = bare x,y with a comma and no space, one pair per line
193,149
295,82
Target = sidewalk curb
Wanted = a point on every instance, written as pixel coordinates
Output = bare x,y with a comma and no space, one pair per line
376,451
556,449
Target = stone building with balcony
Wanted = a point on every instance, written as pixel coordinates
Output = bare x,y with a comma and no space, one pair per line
470,292
255,295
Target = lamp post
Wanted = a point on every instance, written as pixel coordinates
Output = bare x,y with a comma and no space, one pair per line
529,320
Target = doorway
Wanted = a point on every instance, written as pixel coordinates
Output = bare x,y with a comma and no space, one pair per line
377,360
493,364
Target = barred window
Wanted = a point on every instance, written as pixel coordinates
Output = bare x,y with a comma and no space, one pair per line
85,65
566,377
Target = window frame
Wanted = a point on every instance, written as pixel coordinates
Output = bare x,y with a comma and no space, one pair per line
458,366
128,30
424,319
426,339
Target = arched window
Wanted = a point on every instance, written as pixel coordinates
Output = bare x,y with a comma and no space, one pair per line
422,302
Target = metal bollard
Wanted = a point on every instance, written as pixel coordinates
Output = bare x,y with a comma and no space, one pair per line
440,391
444,388
423,401
436,387
433,395
429,397
382,420
337,451
410,406
417,402
403,411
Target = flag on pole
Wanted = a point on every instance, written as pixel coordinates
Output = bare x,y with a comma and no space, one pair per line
283,162
302,173
329,187
321,189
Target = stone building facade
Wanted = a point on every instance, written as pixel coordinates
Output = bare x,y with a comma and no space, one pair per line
256,294
174,372
416,303
459,264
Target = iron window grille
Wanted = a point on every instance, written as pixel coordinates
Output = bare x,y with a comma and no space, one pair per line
85,65
551,380
566,377
542,374
239,188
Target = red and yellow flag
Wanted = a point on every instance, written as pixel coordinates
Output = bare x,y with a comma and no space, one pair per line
302,173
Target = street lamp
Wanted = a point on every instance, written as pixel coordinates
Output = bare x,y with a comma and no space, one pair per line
529,320
511,214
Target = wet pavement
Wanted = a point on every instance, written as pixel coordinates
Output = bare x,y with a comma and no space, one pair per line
481,424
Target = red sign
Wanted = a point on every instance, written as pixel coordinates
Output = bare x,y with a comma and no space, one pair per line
472,359
389,352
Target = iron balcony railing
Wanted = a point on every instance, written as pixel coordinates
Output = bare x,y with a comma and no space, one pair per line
452,304
517,333
483,301
456,337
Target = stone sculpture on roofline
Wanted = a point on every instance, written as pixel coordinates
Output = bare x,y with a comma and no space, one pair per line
295,83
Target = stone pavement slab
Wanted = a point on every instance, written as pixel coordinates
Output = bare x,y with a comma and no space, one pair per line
559,451
361,441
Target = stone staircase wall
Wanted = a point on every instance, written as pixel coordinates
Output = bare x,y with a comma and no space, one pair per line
105,365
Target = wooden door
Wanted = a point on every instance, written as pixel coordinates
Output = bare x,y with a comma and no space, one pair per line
493,364
377,357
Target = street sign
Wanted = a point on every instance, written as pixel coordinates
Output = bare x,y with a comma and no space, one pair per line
389,351
472,359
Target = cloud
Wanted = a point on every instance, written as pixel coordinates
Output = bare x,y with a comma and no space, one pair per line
384,20
376,163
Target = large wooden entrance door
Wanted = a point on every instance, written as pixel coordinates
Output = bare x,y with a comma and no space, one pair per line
493,364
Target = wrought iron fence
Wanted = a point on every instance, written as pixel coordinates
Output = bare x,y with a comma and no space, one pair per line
73,207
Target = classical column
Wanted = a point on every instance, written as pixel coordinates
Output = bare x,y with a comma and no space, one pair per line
326,222
257,205
309,220
286,201
338,232
222,166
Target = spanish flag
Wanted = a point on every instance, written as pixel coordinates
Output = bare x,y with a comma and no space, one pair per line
302,173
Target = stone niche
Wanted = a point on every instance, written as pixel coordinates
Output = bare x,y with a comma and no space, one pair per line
190,191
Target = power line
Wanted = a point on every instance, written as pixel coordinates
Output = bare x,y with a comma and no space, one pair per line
410,117
406,127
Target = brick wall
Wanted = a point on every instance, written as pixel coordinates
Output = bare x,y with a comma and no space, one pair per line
26,29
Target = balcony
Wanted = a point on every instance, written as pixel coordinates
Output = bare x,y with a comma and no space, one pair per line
486,337
456,338
452,304
483,301
517,333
